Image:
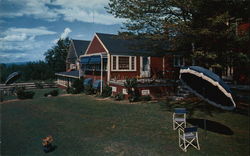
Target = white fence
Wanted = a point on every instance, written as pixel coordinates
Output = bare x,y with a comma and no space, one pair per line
32,85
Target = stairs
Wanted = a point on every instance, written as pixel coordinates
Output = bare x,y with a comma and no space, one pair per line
181,93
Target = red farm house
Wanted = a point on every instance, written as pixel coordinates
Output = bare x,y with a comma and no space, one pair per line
111,60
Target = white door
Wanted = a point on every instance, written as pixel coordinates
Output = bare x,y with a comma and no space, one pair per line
145,66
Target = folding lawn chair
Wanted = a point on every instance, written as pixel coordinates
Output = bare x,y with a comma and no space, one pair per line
188,137
179,118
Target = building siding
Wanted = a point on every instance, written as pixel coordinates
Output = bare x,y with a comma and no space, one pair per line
95,47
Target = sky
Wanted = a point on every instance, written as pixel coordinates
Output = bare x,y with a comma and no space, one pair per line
30,27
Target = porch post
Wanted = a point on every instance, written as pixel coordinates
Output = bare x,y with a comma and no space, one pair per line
101,74
108,67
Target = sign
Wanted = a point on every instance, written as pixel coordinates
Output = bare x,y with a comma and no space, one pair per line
145,92
124,91
114,89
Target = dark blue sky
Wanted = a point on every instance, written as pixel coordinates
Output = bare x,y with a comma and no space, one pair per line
31,27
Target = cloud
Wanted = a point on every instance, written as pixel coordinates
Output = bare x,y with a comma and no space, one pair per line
22,34
14,37
19,57
37,9
22,38
76,10
63,35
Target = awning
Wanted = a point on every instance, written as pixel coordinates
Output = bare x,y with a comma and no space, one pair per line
87,81
96,59
85,60
97,84
72,74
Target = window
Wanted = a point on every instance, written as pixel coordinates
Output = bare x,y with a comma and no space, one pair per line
123,63
178,61
114,63
133,63
145,64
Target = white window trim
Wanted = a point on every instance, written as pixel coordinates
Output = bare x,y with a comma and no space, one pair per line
117,63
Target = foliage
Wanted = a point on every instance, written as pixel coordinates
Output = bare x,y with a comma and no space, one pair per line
54,92
119,97
88,90
145,98
78,86
56,56
107,91
71,90
1,96
22,94
46,94
131,85
30,71
210,36
39,85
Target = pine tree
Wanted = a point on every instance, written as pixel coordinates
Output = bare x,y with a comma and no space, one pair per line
176,25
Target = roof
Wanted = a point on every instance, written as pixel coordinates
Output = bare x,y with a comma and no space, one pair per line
74,74
119,46
80,46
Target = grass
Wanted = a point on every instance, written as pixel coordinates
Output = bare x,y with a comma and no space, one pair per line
82,125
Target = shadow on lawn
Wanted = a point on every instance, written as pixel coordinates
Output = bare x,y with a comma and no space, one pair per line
50,149
192,104
211,126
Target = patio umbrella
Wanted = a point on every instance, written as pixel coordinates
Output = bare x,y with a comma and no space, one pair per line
13,77
208,86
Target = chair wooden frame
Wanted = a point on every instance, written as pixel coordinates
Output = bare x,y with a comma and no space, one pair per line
187,137
179,118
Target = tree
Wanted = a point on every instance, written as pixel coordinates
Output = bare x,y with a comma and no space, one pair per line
209,26
30,71
56,56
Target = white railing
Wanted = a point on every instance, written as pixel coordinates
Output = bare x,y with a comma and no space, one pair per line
30,85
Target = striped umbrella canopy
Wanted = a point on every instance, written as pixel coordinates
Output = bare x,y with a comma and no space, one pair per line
13,77
208,86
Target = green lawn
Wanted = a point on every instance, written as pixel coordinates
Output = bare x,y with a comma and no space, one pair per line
82,125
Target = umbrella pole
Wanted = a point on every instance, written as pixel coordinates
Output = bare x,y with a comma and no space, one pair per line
204,120
205,127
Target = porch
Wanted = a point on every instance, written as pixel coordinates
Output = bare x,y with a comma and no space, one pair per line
156,88
66,79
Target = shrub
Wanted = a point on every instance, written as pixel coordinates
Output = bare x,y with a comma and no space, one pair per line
131,85
145,98
39,85
54,92
88,90
71,90
119,97
21,94
45,94
107,91
29,94
78,86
